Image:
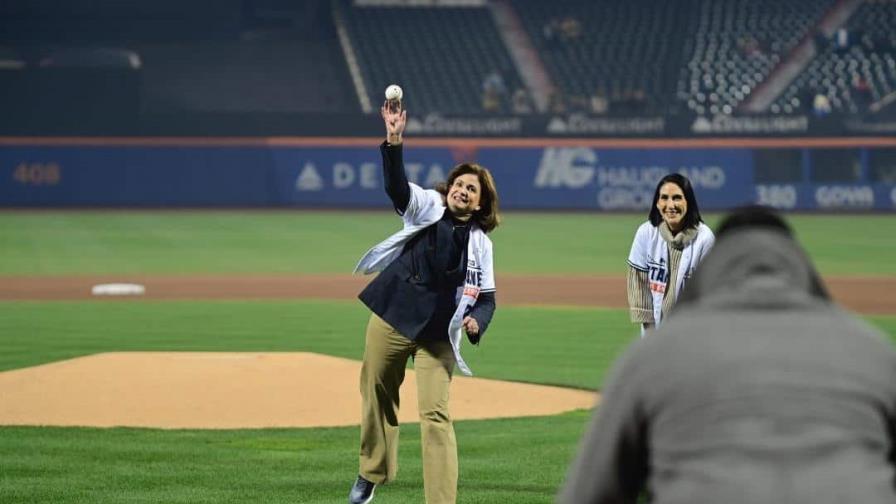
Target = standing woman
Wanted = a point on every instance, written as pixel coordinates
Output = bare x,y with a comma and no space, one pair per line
666,250
436,281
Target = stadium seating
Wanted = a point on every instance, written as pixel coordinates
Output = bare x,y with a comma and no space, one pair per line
626,51
193,56
734,45
851,72
440,56
279,59
106,21
246,76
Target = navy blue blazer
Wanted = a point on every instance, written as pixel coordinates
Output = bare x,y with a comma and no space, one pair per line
413,289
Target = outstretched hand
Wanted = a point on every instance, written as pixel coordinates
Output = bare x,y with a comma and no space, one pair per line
395,119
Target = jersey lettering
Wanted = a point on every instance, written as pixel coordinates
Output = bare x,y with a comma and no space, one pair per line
474,277
658,276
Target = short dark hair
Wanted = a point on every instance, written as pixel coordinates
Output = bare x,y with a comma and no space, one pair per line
487,216
753,216
692,217
765,218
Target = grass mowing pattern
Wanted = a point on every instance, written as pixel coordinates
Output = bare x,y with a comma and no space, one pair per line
519,460
197,242
564,346
311,466
190,242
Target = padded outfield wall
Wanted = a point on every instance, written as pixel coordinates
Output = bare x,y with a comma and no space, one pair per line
792,174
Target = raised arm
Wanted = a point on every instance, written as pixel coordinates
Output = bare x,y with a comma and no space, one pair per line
395,118
394,178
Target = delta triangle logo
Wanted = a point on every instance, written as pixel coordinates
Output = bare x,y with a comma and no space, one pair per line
309,179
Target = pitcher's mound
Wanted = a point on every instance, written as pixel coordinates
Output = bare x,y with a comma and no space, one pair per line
203,390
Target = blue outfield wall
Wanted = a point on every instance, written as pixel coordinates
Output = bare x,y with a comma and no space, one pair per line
552,177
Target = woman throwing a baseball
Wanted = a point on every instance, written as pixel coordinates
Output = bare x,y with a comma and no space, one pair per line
665,251
436,282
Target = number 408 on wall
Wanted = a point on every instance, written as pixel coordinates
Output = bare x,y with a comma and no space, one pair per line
37,174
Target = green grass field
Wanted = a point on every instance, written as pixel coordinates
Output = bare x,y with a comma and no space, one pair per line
54,243
519,460
522,345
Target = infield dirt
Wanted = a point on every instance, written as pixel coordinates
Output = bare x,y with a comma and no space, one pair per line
860,294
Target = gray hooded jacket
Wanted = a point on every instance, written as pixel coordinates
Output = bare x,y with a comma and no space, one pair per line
756,390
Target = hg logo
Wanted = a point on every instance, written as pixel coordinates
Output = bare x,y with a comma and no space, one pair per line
566,167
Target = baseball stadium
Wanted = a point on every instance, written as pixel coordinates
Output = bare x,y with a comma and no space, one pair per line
187,187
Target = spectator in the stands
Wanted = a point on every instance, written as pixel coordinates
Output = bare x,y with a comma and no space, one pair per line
861,92
821,106
520,102
556,102
599,103
551,32
842,39
494,81
494,92
571,28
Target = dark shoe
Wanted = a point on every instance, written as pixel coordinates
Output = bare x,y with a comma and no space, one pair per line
362,491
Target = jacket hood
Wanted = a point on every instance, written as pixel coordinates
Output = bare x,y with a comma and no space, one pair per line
755,267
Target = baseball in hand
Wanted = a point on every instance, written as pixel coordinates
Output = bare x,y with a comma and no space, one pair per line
393,92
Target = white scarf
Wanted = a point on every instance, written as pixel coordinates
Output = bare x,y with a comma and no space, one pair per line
424,209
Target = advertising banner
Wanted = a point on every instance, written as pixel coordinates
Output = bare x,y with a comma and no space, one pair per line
551,177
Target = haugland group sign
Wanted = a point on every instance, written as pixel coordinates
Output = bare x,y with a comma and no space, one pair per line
550,177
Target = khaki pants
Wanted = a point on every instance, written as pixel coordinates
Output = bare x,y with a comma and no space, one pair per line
385,355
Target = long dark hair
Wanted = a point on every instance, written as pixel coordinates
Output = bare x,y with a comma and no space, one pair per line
692,217
487,216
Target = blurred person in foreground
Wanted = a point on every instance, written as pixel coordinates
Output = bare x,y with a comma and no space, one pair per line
757,389
665,251
436,282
